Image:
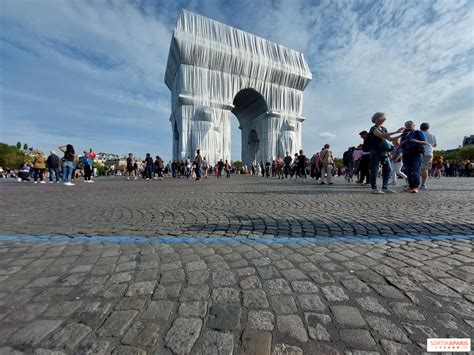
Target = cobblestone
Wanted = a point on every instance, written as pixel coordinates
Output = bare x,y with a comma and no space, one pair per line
363,295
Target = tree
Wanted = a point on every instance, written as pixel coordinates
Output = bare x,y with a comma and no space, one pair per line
18,145
10,157
25,146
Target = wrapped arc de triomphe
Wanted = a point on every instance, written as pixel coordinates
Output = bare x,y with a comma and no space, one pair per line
215,71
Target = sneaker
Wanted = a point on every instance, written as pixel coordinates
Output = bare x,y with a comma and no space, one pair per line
423,187
388,191
19,179
68,184
42,182
322,183
128,178
91,181
36,182
393,183
51,182
377,192
58,182
331,183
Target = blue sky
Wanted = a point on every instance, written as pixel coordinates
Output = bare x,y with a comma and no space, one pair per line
91,73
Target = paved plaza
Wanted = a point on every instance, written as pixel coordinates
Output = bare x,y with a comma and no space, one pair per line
233,266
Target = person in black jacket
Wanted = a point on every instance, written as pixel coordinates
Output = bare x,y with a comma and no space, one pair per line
148,166
53,166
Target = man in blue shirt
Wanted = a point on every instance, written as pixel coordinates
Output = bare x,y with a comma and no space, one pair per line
412,143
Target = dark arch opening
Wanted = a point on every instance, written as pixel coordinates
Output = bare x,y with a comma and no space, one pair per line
248,104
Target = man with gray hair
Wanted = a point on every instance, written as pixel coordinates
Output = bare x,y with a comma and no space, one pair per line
428,154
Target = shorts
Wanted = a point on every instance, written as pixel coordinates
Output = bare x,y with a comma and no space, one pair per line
130,169
427,162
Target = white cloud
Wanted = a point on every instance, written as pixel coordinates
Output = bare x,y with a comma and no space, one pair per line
75,69
327,135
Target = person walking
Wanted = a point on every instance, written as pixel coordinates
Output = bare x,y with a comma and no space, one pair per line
220,166
427,153
356,157
158,165
412,142
302,163
88,163
205,167
53,166
364,165
130,168
68,163
39,166
327,164
227,168
148,166
396,162
287,163
379,148
198,163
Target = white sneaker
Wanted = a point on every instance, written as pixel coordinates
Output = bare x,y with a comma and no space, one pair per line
377,192
58,182
36,182
19,179
91,181
51,182
42,182
388,191
68,184
128,178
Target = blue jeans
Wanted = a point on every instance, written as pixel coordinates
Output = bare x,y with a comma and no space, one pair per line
377,158
67,171
412,163
56,174
198,172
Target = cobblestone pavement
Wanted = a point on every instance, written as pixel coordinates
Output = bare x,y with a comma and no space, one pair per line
240,206
233,298
265,295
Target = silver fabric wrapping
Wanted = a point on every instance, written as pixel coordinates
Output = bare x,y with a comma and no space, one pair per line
215,71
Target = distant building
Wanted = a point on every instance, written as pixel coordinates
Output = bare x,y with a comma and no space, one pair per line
468,141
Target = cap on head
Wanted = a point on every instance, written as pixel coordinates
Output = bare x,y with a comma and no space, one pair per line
376,116
52,152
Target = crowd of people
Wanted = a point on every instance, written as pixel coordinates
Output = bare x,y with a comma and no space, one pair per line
56,169
406,153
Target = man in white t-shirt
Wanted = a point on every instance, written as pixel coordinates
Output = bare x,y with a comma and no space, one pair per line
428,154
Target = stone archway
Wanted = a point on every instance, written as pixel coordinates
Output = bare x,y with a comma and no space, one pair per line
215,71
249,108
251,154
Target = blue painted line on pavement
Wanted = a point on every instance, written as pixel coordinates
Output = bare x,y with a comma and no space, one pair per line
229,240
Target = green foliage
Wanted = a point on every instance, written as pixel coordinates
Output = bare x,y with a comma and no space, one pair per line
10,156
238,164
100,168
25,146
18,145
465,153
338,162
